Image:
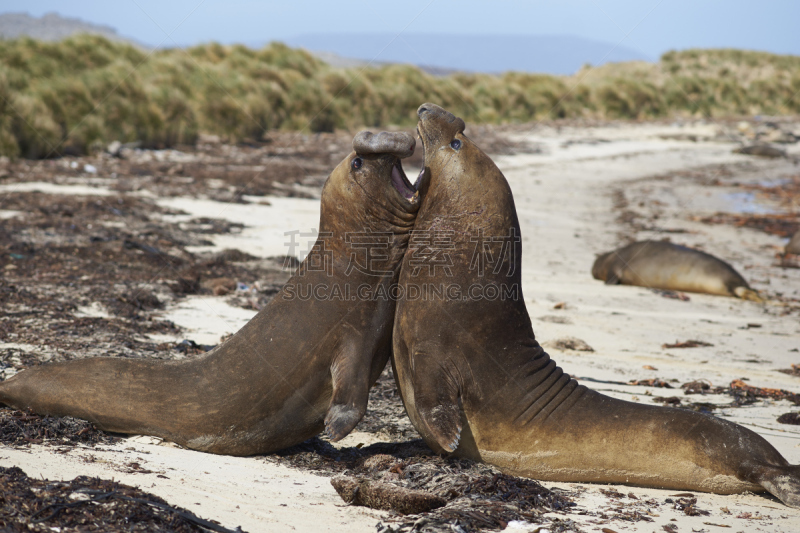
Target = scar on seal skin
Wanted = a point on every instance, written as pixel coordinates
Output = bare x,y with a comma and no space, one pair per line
299,366
475,381
663,265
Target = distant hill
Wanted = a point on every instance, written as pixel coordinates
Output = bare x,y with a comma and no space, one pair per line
54,27
338,61
551,54
436,54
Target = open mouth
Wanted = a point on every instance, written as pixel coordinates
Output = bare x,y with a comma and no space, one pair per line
401,183
422,170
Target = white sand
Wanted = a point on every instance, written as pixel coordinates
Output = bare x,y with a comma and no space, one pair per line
563,198
55,188
266,226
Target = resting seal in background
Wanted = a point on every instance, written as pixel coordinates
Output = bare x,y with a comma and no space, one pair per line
761,150
663,265
301,364
475,381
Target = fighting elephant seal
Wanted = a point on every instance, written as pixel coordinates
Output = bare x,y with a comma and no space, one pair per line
305,362
663,265
475,381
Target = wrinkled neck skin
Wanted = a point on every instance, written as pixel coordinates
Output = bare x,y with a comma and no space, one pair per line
499,327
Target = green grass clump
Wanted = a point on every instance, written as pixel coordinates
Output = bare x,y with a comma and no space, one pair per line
79,94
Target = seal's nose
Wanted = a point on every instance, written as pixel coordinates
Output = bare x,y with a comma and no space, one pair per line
429,112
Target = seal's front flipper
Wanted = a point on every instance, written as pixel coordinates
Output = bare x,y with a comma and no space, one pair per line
436,393
341,419
350,374
612,279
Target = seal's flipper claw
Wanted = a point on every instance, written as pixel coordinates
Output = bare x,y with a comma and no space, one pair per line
443,422
351,385
340,421
436,395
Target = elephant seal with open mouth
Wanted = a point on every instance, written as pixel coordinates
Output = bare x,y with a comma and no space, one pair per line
475,381
304,363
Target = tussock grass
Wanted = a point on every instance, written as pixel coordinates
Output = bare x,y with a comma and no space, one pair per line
79,94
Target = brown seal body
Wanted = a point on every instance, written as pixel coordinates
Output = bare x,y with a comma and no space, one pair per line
664,265
761,150
305,362
475,381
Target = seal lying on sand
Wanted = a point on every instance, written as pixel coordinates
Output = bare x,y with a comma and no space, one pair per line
761,150
475,381
305,361
663,265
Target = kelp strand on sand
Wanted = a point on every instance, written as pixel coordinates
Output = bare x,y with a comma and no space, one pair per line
79,94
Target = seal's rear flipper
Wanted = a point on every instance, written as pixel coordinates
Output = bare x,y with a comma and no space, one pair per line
782,482
748,294
436,394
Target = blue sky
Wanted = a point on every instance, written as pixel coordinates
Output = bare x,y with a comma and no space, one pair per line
649,26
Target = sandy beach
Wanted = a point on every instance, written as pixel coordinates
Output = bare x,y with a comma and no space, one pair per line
579,191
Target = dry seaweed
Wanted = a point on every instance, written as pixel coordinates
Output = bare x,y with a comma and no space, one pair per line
88,504
478,497
782,225
19,428
570,343
793,371
742,393
687,344
654,382
385,496
790,418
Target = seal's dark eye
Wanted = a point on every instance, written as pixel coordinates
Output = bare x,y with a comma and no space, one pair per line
357,162
455,144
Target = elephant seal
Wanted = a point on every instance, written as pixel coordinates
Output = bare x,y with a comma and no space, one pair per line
761,150
305,362
663,265
793,246
475,381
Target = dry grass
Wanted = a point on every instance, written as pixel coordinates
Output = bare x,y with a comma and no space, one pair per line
77,95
